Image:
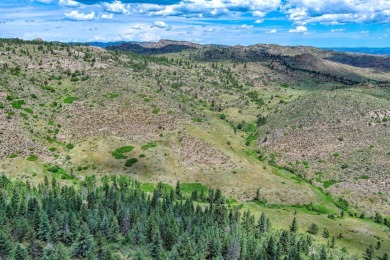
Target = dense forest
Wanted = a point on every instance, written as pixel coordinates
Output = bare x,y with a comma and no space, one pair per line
117,220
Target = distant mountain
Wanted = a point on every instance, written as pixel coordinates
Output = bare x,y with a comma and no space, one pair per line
365,50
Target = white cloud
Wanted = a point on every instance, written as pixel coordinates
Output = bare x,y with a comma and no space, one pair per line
259,21
70,3
160,24
137,27
106,16
272,31
245,26
258,14
44,1
204,8
365,32
337,30
75,15
299,29
337,11
117,7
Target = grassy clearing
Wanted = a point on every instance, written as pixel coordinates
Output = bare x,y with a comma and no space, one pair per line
191,187
356,234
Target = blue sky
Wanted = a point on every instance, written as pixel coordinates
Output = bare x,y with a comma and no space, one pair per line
322,23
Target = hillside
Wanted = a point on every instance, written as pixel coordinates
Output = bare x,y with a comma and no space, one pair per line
308,132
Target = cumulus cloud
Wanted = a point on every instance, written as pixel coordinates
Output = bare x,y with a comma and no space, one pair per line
116,7
259,21
337,30
273,31
202,8
106,16
258,14
137,27
70,3
75,15
337,11
299,29
160,24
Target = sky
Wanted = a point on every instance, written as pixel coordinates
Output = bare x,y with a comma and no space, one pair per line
320,23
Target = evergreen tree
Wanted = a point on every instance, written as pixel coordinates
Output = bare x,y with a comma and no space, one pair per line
20,253
263,227
44,229
369,253
322,255
294,226
5,244
271,250
179,194
313,229
156,249
325,234
84,245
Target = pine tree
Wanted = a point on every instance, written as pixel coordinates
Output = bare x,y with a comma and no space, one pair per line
35,249
313,229
84,245
271,250
294,226
369,253
179,194
332,242
20,253
156,249
44,229
263,227
325,234
323,255
5,244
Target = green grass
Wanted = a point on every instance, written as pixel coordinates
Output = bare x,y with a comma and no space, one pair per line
28,110
148,146
69,100
328,183
18,104
32,158
13,155
190,187
119,152
147,187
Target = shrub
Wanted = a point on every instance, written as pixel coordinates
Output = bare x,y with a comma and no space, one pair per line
313,229
18,104
119,152
32,158
69,100
148,145
28,110
342,204
130,162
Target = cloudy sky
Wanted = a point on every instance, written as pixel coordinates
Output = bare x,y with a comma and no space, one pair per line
322,23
